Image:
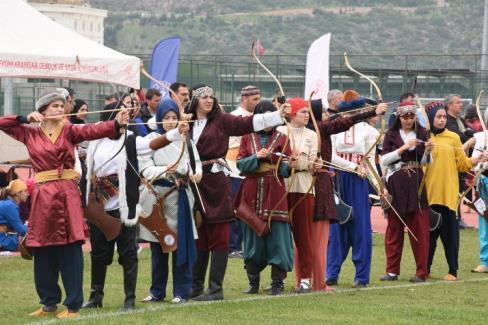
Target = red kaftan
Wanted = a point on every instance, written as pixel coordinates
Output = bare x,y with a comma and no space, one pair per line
56,217
261,189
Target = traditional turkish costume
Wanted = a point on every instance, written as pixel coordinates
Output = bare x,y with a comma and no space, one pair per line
350,148
404,176
178,210
57,228
212,141
112,174
264,192
324,209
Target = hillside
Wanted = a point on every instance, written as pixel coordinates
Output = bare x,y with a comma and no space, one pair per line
288,27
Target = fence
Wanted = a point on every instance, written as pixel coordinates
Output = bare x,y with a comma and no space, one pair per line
436,76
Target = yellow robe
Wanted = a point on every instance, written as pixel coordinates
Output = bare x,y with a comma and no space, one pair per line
448,159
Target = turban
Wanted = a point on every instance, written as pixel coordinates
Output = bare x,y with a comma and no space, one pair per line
16,186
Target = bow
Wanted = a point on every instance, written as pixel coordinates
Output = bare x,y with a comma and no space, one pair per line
183,144
485,143
180,106
281,99
380,187
319,142
315,125
427,129
121,147
282,93
380,99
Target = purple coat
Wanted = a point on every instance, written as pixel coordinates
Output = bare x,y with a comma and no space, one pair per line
403,185
213,144
324,193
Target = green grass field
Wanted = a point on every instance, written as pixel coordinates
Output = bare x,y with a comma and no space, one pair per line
398,302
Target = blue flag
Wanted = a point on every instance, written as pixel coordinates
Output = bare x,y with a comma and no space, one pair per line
164,63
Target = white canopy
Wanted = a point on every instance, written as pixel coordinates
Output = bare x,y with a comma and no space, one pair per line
34,46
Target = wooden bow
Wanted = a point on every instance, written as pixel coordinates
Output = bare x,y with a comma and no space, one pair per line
319,141
288,130
183,144
282,94
380,99
121,147
380,187
427,129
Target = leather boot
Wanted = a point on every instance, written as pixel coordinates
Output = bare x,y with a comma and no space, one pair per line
98,273
253,276
130,280
218,266
277,276
199,271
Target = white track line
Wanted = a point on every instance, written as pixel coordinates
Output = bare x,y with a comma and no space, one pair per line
161,306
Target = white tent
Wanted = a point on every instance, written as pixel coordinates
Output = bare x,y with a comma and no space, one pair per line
34,46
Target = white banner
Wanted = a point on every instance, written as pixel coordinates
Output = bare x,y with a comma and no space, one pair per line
34,46
317,71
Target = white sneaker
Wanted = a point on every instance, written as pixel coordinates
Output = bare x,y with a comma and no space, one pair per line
151,298
178,300
304,286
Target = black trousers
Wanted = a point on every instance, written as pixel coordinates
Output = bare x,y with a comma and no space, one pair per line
49,262
102,251
449,233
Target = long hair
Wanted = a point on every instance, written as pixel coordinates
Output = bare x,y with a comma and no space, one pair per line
193,105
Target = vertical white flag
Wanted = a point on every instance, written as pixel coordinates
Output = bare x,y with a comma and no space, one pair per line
317,71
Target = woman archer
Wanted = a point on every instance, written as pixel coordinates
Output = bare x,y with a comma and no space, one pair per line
257,160
404,152
113,175
211,132
57,228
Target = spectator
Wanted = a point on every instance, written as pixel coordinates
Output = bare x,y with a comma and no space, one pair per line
181,91
11,226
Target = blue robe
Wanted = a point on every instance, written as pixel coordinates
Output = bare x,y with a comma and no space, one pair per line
356,233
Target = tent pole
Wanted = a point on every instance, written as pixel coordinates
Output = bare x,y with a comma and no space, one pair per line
8,96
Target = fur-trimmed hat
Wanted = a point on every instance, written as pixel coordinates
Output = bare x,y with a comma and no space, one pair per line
352,100
47,97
